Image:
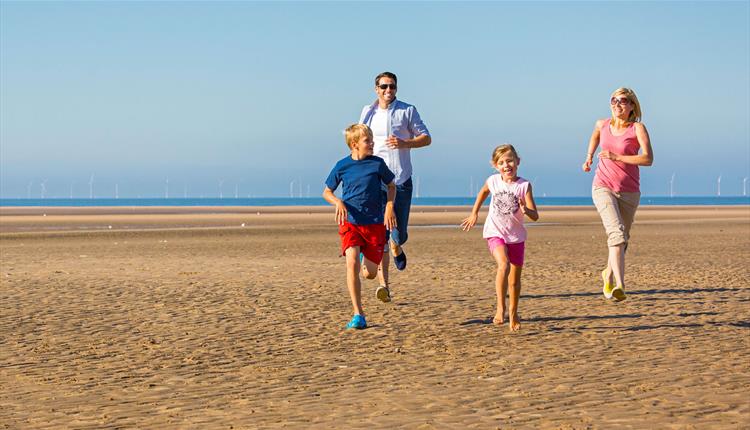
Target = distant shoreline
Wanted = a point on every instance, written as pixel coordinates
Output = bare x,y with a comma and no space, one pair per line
252,204
256,210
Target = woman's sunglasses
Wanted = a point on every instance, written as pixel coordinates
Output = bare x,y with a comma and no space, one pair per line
619,101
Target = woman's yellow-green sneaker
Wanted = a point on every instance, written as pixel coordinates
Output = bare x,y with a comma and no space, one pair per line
619,294
608,288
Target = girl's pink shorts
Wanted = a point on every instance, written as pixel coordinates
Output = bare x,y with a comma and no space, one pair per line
515,250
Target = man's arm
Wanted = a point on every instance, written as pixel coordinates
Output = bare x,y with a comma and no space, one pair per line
417,128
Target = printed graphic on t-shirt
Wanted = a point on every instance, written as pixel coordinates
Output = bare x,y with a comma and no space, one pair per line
505,202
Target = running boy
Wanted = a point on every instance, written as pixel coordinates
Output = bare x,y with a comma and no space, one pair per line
359,213
503,229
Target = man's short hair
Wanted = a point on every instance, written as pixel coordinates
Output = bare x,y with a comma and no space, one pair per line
386,75
354,132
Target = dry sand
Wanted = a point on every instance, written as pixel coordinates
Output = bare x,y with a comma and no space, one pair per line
183,318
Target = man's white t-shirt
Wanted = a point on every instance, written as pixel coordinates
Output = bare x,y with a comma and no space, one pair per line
379,127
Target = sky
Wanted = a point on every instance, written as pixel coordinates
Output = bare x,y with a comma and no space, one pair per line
204,99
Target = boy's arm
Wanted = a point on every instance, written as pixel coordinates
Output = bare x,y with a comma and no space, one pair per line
528,205
389,219
335,201
471,220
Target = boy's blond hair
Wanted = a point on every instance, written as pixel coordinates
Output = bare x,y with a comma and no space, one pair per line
354,132
502,149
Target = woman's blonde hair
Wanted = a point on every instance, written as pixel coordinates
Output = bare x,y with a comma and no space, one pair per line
502,149
354,132
635,114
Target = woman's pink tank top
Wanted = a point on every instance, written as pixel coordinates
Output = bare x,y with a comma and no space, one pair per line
616,175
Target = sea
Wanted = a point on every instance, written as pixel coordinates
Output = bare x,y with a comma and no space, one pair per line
318,201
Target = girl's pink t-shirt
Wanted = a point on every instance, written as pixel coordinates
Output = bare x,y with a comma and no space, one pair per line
616,175
505,218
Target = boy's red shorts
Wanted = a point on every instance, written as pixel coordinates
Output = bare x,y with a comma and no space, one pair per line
369,237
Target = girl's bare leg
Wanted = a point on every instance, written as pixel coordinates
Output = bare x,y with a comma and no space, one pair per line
352,279
501,283
514,291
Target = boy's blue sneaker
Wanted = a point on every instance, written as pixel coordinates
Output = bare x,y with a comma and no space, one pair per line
358,322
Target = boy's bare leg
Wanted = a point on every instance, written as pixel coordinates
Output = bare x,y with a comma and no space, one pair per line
369,268
352,279
514,291
501,283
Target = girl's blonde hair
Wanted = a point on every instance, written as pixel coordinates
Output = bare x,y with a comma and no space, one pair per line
635,114
502,149
354,132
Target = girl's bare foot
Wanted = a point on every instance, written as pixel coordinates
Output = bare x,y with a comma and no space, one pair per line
499,319
515,323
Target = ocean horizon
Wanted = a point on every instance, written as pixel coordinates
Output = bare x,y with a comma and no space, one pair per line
318,201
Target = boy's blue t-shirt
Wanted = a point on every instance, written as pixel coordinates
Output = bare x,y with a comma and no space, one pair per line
363,184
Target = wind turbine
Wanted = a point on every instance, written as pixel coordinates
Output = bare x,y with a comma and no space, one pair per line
236,191
417,186
28,189
744,186
308,191
671,186
166,189
471,186
291,189
184,191
91,186
43,187
71,188
300,188
221,184
718,186
117,191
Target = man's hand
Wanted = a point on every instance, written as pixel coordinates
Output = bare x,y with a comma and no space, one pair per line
394,142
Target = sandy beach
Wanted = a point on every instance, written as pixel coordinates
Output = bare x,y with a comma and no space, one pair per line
172,318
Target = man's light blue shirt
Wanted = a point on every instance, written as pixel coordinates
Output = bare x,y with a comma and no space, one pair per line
404,122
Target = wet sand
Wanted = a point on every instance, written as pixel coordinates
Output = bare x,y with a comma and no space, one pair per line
184,318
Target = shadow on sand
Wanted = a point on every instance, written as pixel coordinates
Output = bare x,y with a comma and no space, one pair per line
636,292
739,324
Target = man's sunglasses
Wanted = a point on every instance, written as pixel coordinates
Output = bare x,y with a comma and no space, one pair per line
386,86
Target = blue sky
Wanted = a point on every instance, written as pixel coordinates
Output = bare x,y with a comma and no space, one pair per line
254,95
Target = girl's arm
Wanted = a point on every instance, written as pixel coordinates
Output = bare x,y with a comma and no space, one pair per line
645,158
340,208
389,218
528,205
469,221
593,144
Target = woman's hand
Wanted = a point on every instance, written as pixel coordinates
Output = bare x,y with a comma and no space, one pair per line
469,222
587,164
609,155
